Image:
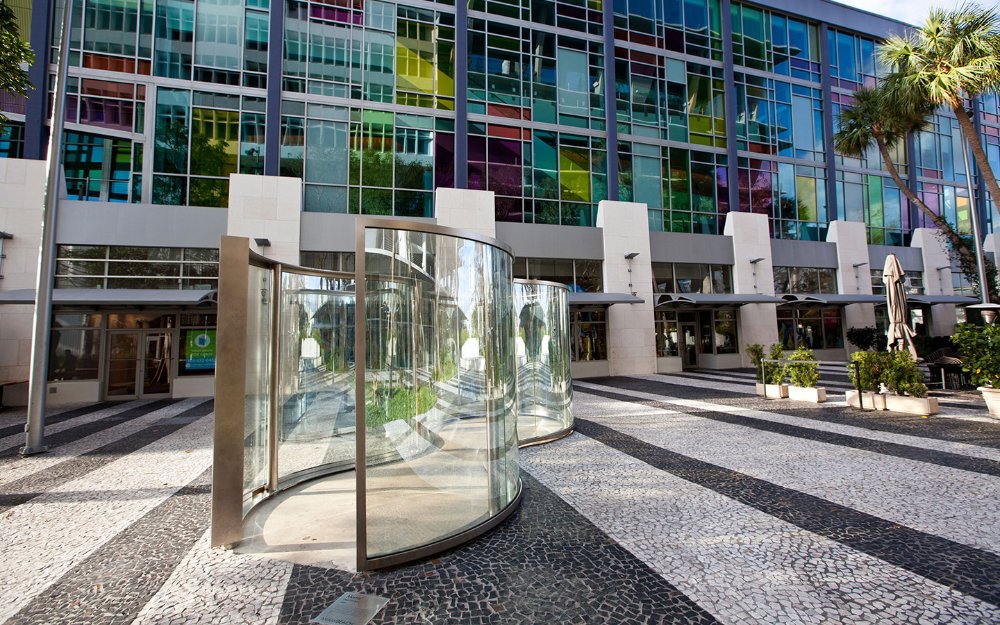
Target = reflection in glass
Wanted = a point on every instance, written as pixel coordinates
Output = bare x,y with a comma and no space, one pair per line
440,436
316,374
258,374
544,381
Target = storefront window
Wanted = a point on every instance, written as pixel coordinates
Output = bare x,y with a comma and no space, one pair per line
589,335
666,334
197,344
75,348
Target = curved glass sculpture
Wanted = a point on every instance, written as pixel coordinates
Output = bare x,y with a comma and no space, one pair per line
544,381
439,438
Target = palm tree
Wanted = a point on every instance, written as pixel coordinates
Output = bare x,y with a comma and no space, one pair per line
881,118
955,55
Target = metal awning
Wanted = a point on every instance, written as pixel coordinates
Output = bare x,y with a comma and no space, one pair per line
603,299
940,299
116,297
836,299
682,300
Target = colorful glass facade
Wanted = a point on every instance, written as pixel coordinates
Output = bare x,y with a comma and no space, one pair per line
694,107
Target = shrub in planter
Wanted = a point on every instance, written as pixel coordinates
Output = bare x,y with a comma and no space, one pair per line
980,350
901,375
869,369
756,353
804,370
774,373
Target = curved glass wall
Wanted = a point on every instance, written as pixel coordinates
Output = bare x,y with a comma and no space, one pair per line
440,443
544,381
315,374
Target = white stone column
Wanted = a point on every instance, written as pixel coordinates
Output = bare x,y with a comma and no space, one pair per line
466,210
937,278
267,207
22,196
631,339
758,323
853,272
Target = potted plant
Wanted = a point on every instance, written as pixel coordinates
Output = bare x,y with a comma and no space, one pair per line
980,350
904,381
803,373
865,370
774,374
756,353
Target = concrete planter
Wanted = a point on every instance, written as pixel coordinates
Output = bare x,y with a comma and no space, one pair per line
992,397
911,405
872,401
775,391
759,387
814,394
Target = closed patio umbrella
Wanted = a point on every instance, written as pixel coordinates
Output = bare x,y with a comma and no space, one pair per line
899,335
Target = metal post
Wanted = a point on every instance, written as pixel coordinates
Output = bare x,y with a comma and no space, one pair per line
35,426
984,291
857,384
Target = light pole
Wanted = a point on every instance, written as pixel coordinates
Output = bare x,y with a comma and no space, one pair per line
986,308
35,427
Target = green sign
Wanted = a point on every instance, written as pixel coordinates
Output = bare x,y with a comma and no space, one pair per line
199,350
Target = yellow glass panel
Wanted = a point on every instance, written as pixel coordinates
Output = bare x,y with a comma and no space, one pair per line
574,173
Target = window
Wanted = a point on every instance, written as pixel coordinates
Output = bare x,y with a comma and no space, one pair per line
119,267
811,327
809,280
75,348
692,278
197,344
579,275
589,334
913,282
666,334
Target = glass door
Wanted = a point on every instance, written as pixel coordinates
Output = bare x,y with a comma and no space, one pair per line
139,363
689,345
157,353
123,364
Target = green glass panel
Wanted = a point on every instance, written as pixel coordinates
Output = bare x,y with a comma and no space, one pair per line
214,142
170,141
875,205
574,169
376,202
805,196
546,166
377,146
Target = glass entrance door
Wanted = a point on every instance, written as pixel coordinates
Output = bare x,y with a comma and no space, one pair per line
689,346
123,373
139,363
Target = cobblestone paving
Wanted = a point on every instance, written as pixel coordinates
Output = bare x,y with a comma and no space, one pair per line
681,499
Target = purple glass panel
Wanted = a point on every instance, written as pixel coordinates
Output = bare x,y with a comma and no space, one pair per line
336,14
505,167
509,209
762,193
477,163
444,159
108,113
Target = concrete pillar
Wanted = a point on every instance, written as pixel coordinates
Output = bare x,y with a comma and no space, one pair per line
937,278
631,339
853,272
758,323
267,207
22,195
466,210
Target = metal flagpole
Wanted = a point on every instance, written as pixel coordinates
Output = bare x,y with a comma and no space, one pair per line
35,426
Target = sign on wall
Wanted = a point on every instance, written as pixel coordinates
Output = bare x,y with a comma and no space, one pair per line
199,350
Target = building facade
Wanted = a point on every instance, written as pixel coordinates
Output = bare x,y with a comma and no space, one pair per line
671,160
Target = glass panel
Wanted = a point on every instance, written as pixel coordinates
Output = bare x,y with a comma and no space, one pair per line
316,376
258,372
74,354
544,381
440,408
124,350
157,358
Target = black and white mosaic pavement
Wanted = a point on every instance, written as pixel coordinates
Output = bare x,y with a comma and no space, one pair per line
680,499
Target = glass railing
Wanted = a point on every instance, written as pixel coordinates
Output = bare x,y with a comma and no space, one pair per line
544,381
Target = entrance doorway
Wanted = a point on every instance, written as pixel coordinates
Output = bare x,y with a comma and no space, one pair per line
689,345
139,363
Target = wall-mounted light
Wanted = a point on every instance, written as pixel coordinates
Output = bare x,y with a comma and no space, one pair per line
753,264
857,277
628,258
262,242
